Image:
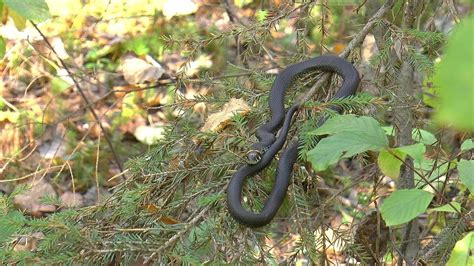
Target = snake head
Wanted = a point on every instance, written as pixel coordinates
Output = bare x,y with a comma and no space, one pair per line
254,156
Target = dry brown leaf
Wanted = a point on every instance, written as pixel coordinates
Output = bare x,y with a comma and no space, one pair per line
27,242
10,136
368,47
138,71
338,48
168,220
216,122
152,208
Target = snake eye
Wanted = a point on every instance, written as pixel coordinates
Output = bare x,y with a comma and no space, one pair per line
253,156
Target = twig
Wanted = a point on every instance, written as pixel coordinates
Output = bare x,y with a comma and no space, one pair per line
84,97
452,9
232,12
356,41
175,238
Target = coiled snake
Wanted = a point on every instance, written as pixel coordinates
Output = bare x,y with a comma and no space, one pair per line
269,144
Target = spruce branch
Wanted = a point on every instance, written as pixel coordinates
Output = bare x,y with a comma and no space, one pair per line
178,235
355,42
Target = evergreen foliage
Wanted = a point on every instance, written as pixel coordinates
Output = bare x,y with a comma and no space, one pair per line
172,209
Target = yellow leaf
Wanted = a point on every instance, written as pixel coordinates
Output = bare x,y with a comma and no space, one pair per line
216,122
20,22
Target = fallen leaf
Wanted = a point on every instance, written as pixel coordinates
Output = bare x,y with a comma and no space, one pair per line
168,220
59,49
138,71
338,48
179,8
152,208
369,48
216,122
72,200
149,134
28,243
192,68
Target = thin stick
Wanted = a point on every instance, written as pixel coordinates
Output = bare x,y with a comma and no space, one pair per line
84,97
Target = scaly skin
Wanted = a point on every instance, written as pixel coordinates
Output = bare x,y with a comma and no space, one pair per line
265,150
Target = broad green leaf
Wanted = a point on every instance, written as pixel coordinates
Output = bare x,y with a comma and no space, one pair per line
448,208
352,123
34,10
461,254
3,47
389,164
419,135
343,145
467,145
352,135
404,205
454,78
327,152
466,173
416,151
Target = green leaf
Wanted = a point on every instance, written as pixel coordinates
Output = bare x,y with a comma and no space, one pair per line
448,208
467,145
352,135
419,135
34,10
461,254
454,79
389,164
416,151
261,15
3,47
59,85
466,173
352,123
404,205
389,130
343,145
423,136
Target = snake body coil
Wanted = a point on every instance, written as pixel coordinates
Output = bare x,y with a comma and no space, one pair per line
269,144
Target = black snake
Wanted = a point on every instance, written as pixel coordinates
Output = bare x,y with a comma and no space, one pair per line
269,144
